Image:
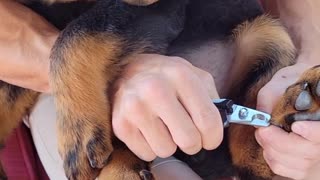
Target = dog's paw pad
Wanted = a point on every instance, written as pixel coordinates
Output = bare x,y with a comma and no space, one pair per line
300,102
303,101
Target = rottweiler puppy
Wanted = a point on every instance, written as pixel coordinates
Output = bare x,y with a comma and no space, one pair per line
91,52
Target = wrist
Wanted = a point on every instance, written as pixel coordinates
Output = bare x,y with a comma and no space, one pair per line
38,40
26,40
43,49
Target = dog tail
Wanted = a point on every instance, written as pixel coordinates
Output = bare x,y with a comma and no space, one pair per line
262,47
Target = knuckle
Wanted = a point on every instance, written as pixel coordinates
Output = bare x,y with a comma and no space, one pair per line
152,88
179,72
207,77
132,106
207,114
180,61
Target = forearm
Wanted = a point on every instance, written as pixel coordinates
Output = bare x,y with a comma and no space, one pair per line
25,43
301,17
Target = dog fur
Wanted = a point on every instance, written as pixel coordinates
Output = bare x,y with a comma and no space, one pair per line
89,54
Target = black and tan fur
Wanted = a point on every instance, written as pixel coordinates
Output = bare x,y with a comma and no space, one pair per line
90,53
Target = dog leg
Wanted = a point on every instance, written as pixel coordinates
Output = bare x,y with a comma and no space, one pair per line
125,165
262,48
85,61
15,102
82,67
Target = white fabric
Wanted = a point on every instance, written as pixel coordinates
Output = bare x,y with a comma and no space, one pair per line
43,130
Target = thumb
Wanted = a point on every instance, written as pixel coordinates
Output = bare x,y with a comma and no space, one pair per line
268,96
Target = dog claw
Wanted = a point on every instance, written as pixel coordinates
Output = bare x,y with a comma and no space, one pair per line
146,175
93,163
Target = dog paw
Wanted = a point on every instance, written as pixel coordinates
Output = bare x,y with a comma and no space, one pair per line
125,165
85,149
300,102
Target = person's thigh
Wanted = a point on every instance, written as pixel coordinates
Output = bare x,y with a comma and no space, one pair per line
43,129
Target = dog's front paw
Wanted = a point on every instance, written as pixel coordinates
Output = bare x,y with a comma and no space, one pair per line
125,165
85,149
300,101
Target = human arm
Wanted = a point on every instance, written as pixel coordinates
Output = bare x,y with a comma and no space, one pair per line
25,44
288,159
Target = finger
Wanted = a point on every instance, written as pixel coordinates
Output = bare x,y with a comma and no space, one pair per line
139,146
128,104
162,101
282,170
269,95
197,101
274,137
157,136
151,127
290,161
135,141
308,130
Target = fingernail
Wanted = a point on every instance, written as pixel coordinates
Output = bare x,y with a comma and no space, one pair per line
298,128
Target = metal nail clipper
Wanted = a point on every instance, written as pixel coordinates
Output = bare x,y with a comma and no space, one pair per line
233,113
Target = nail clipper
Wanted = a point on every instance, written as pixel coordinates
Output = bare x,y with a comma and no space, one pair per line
233,113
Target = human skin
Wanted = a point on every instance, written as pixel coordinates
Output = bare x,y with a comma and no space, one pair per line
25,43
295,155
26,40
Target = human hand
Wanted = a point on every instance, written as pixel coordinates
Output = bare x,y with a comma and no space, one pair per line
163,102
26,40
294,155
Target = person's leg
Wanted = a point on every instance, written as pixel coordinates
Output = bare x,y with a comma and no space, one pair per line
43,129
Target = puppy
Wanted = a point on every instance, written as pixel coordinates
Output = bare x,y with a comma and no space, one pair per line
91,51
